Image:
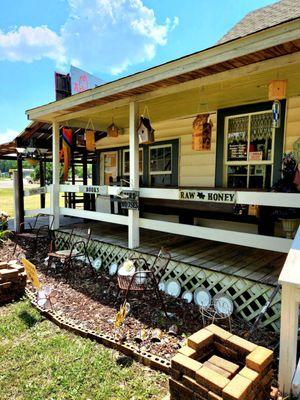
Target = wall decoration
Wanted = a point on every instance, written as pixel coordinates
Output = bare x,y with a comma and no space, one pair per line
65,152
276,113
277,89
202,128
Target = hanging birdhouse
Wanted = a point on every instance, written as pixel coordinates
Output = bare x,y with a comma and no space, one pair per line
202,128
90,140
113,130
145,131
277,90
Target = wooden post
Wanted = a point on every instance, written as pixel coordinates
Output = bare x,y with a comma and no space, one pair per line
290,299
85,180
54,194
42,183
133,215
18,196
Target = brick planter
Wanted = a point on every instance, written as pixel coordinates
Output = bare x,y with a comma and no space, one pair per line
12,282
216,365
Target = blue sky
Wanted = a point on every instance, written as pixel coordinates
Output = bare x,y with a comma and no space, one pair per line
109,38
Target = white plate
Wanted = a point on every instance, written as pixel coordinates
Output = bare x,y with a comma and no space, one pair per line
124,271
162,286
187,296
202,297
173,288
97,263
223,304
113,268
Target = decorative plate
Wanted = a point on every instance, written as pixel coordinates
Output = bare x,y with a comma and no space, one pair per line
187,296
162,286
97,263
223,304
113,268
173,288
202,297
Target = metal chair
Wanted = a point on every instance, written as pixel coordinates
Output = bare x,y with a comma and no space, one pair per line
37,231
146,277
76,249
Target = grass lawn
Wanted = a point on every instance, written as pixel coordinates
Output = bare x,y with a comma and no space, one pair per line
39,361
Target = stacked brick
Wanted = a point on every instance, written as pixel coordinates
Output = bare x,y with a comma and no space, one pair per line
216,365
12,282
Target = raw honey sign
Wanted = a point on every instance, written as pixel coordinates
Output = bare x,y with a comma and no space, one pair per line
31,273
213,196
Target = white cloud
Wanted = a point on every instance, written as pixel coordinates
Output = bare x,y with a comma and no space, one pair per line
28,44
8,135
98,35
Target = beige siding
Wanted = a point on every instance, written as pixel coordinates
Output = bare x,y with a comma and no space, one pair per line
292,130
196,168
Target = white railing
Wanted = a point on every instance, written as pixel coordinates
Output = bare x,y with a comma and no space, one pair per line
290,299
33,192
226,236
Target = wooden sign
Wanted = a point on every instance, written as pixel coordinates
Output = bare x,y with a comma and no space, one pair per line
277,90
92,189
129,199
31,273
34,191
212,196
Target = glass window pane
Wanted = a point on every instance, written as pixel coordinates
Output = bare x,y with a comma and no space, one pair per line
237,176
160,159
126,162
237,138
261,137
260,176
160,180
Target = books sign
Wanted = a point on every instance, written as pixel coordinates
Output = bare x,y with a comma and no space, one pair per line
213,196
92,189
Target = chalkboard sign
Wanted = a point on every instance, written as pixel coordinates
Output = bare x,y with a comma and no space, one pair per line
129,199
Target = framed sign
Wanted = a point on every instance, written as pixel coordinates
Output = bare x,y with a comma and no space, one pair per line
213,196
92,189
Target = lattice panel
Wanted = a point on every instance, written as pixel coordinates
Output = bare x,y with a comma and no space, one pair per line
248,296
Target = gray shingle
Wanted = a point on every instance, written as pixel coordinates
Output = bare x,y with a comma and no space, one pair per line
263,18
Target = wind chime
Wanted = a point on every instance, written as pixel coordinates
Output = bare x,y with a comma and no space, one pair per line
277,92
65,152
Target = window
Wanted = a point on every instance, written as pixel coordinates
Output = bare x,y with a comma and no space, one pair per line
249,150
160,165
126,162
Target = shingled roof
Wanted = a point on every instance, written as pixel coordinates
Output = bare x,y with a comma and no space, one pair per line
266,17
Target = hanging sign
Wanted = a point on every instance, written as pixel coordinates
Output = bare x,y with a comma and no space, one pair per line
92,189
212,196
129,199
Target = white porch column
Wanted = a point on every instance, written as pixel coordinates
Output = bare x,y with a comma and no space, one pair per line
133,215
54,193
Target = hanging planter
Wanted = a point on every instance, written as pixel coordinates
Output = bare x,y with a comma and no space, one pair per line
202,128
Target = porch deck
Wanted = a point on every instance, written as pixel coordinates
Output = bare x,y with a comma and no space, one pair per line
244,262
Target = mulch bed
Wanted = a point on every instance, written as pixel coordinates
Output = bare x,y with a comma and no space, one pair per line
91,301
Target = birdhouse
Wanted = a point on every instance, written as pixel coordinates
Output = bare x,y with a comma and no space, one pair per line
202,128
90,140
113,130
277,90
145,131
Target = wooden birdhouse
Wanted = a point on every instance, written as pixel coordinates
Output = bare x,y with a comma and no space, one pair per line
145,131
113,130
90,140
202,128
277,90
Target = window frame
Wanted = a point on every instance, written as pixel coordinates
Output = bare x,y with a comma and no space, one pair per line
247,163
159,146
126,150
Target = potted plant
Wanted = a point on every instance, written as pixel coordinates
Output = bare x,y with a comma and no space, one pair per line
287,184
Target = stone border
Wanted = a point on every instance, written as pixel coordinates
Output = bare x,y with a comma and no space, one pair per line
145,358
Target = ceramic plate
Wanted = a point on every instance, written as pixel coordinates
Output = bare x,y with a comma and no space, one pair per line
113,269
202,297
187,296
173,288
162,286
97,264
223,304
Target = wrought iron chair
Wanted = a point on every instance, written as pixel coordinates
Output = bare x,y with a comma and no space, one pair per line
146,277
36,231
76,249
